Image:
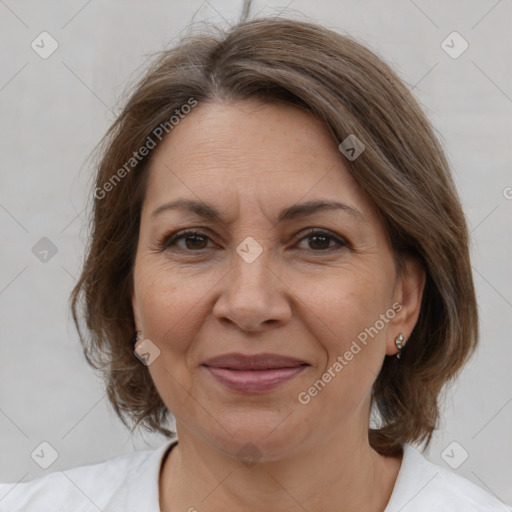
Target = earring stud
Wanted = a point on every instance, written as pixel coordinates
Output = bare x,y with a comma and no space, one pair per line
399,340
137,337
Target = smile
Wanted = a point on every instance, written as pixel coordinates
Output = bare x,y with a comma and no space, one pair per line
253,381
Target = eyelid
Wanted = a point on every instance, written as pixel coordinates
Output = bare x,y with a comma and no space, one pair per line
340,241
322,231
175,235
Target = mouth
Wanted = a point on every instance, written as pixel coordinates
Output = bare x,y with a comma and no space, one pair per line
253,374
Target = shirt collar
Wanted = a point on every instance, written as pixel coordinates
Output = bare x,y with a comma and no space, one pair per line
414,476
143,484
144,493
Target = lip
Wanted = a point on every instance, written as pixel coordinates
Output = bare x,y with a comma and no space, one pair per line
265,361
253,373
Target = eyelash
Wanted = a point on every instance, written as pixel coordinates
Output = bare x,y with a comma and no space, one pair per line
170,239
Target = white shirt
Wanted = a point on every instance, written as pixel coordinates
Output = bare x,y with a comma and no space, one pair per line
129,482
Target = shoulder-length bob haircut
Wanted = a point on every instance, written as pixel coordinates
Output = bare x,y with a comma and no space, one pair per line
403,170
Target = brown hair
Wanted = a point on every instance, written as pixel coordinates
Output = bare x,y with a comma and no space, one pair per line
402,169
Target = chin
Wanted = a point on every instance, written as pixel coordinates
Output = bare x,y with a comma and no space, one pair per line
257,435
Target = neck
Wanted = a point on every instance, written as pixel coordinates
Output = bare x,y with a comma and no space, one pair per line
340,473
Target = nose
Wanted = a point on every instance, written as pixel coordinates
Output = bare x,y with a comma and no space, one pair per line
253,297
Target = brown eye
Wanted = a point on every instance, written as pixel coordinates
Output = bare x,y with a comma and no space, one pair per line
193,241
320,241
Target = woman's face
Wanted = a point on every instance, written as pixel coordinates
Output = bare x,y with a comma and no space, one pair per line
315,287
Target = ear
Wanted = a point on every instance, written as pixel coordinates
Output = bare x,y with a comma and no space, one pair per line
136,313
408,293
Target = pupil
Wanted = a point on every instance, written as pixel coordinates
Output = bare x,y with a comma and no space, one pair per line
324,238
195,239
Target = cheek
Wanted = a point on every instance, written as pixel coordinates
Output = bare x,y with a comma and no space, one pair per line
354,301
172,307
171,302
357,309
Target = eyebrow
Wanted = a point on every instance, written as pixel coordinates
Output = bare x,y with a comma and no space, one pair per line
209,212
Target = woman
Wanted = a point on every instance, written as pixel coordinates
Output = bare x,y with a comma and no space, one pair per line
277,231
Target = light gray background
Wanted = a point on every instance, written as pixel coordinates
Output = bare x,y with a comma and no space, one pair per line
53,112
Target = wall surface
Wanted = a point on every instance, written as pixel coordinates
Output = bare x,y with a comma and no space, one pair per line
56,106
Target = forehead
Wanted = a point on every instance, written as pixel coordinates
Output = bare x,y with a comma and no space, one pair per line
235,154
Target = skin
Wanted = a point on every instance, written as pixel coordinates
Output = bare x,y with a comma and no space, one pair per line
302,297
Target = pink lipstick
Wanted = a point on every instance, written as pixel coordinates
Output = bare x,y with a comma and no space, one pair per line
253,373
